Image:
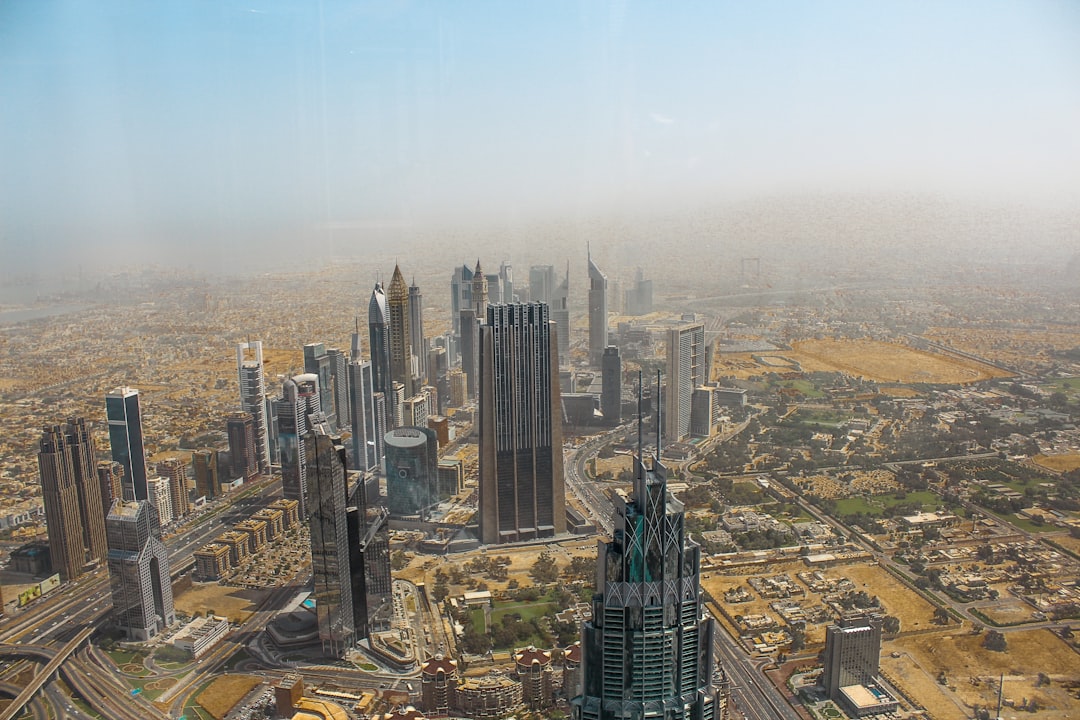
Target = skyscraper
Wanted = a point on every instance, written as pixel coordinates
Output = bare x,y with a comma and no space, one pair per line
243,461
249,368
204,463
522,492
138,570
685,372
460,295
611,385
61,500
648,647
329,539
110,475
379,344
397,304
416,329
639,297
317,362
470,321
339,376
176,470
369,565
84,466
126,439
560,313
598,327
412,470
542,283
160,492
852,652
366,445
299,400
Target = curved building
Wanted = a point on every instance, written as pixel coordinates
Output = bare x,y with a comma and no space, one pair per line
412,471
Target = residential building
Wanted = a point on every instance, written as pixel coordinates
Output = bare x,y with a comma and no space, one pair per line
160,494
537,676
249,367
176,470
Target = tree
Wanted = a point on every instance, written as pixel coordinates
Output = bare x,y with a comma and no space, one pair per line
544,570
890,625
941,616
995,641
398,560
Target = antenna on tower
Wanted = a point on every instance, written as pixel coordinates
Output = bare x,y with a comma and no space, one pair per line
641,458
659,417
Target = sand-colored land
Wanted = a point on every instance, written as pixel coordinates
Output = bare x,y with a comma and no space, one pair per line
965,662
888,362
1015,347
235,603
222,694
913,611
1059,463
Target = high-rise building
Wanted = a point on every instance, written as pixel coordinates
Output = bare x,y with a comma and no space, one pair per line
460,295
369,566
648,647
139,570
685,371
469,326
702,411
84,465
416,330
299,400
397,304
339,376
249,367
639,298
243,458
317,362
560,313
366,445
126,439
204,463
458,386
852,652
412,471
542,283
110,476
438,678
414,411
611,385
180,492
159,491
379,345
598,318
61,499
522,491
537,676
329,539
506,280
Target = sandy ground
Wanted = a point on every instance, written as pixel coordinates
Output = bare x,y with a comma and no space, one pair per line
220,696
1060,463
235,603
888,362
908,606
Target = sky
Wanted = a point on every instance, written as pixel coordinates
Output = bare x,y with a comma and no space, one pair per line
216,130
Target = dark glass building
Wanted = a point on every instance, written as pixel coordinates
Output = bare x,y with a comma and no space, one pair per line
412,471
611,385
126,439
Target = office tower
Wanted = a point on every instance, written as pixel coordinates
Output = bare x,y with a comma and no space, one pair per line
416,330
415,411
639,298
458,386
379,345
506,279
339,376
126,439
329,538
243,459
369,566
299,400
159,491
317,362
702,411
542,283
471,319
110,476
522,492
412,471
560,313
460,295
598,329
852,652
84,465
180,491
272,428
397,304
611,385
648,647
249,367
61,499
438,369
204,465
139,570
685,372
365,448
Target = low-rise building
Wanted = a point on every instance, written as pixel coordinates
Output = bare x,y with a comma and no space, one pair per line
201,634
237,543
212,561
256,531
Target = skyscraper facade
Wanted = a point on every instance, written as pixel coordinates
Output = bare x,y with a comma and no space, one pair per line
522,491
412,471
471,319
243,458
598,318
560,313
397,304
648,647
852,653
159,490
180,492
329,539
460,295
639,298
61,500
110,475
379,345
126,439
299,400
369,567
366,445
542,283
204,464
317,362
339,376
416,330
249,368
84,466
139,570
686,364
611,385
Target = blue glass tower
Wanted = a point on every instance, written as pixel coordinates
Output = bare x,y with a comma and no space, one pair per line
126,440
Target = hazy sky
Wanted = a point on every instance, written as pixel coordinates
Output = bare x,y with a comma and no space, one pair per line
182,126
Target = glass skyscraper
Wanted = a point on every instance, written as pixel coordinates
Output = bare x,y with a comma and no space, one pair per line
126,439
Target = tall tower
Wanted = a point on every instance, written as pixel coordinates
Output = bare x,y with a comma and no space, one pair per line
329,539
126,439
61,499
648,647
416,329
379,344
240,429
204,464
176,470
560,313
412,469
366,443
397,303
471,318
84,464
110,475
317,362
542,283
299,400
460,295
139,570
522,491
598,328
339,376
686,367
249,367
852,653
369,566
611,385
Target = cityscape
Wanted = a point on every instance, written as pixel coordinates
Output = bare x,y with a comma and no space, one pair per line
402,361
